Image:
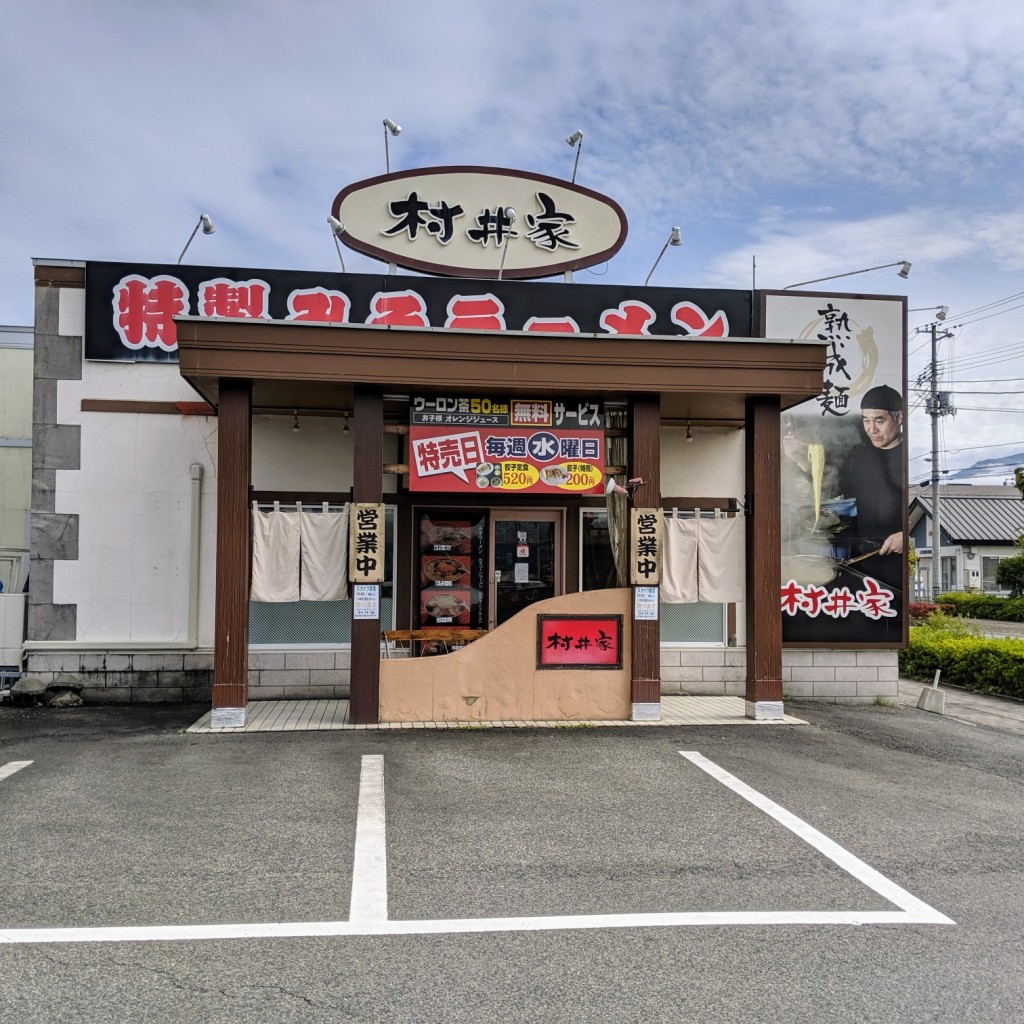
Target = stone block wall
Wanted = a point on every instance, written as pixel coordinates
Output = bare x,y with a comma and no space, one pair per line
136,677
855,677
169,677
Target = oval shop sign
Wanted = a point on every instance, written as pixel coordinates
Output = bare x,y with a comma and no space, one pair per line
480,222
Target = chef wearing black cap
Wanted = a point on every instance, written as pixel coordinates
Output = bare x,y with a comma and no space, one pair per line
873,474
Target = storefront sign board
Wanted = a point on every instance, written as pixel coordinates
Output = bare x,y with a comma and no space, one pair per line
480,222
579,641
130,307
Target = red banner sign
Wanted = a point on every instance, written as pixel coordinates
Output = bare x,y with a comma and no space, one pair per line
579,641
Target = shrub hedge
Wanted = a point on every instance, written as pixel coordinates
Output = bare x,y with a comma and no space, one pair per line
981,664
985,606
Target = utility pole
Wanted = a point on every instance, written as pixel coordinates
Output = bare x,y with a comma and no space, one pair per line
938,405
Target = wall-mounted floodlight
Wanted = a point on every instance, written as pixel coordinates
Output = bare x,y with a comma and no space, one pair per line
510,213
390,128
675,238
576,141
904,271
611,487
337,230
206,224
941,312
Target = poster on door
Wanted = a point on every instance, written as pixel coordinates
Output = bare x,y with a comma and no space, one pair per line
452,570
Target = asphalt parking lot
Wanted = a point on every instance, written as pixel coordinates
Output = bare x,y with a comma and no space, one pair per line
616,879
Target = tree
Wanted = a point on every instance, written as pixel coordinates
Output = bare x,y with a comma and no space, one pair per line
1010,571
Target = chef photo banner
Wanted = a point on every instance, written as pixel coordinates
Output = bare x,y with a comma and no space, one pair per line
844,472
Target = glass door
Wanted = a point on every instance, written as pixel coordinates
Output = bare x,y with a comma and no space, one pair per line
526,560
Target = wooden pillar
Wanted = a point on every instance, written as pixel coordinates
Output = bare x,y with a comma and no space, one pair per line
764,560
231,616
367,485
644,460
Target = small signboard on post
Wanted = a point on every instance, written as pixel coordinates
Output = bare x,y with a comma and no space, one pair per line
366,543
646,546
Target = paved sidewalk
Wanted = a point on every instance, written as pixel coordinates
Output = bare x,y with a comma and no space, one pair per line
320,715
976,708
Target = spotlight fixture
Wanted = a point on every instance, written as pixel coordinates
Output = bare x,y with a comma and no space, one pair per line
576,142
611,487
337,230
390,128
206,224
941,312
675,238
689,433
344,428
295,421
904,271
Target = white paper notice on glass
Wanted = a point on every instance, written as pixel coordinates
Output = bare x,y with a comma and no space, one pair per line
522,572
645,604
365,601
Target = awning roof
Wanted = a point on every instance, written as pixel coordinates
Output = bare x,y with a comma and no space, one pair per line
315,366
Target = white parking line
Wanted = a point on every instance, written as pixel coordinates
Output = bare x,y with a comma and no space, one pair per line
368,909
370,865
911,905
11,767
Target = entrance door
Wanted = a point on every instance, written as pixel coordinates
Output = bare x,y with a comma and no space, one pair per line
526,560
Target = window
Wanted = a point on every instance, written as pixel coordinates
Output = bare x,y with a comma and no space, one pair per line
988,573
310,623
948,573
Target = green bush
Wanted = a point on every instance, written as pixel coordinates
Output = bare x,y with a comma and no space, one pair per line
1010,575
985,606
976,663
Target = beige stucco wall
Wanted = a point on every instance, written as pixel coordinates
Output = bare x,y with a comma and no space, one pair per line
496,678
709,466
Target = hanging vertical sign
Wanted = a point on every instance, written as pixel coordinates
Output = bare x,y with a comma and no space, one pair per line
366,543
647,543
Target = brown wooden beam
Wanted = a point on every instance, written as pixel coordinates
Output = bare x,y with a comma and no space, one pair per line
764,564
367,485
461,361
644,461
231,616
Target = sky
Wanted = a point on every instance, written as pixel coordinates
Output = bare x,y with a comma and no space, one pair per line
811,137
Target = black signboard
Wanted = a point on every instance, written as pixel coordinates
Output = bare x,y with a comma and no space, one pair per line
130,307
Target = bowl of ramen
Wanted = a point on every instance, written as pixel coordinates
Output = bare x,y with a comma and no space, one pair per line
445,533
444,570
445,606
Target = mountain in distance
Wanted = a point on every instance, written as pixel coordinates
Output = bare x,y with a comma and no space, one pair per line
1001,467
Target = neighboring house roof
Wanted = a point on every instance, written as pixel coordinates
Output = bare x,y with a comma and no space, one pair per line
969,515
